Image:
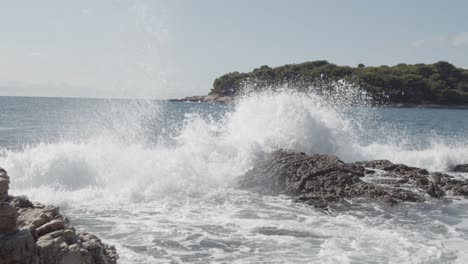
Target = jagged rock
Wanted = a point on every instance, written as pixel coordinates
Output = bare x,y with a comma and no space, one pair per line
4,185
323,179
8,219
53,248
46,237
435,184
57,240
8,216
460,168
21,202
54,225
18,248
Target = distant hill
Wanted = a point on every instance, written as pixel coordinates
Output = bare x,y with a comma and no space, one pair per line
437,83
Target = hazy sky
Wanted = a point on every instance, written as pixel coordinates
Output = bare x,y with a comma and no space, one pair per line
175,48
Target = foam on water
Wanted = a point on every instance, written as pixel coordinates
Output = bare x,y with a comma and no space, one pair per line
168,198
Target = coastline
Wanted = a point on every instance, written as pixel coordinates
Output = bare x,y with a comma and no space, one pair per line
205,99
427,106
230,99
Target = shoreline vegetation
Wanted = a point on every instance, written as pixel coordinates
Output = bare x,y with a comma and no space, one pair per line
437,85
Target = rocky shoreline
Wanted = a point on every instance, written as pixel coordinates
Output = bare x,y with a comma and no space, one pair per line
427,106
323,180
32,233
230,99
205,99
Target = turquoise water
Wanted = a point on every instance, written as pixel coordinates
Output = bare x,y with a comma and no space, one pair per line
155,178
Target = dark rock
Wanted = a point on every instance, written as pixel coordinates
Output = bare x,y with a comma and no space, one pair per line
460,168
323,179
4,185
18,248
289,172
8,219
205,99
8,215
20,202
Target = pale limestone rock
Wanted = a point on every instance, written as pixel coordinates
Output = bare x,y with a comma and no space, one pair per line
51,226
45,236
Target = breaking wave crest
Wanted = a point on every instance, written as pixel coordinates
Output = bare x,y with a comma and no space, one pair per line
153,178
198,151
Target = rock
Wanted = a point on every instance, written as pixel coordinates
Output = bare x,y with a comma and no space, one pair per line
8,215
45,236
57,241
8,219
54,225
4,185
460,168
434,184
50,248
323,179
18,248
21,202
206,99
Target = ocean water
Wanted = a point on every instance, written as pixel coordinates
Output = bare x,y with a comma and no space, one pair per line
155,178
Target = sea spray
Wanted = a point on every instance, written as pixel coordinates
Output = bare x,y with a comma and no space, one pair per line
155,178
138,150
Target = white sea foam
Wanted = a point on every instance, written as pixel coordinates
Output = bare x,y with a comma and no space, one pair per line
141,193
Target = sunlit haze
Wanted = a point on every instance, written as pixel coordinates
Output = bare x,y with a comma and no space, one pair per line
171,49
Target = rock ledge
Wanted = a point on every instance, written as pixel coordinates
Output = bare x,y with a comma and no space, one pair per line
320,180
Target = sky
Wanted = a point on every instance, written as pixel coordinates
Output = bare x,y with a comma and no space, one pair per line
175,48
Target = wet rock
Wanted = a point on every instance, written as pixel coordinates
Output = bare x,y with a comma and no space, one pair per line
323,179
45,236
434,184
460,168
290,172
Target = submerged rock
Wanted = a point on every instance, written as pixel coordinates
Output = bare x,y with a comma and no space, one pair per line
39,234
323,179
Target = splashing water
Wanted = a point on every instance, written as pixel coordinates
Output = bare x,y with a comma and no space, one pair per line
154,178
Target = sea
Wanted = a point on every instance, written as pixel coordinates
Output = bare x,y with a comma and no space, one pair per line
157,178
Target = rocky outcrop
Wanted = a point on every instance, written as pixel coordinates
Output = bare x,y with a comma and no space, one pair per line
460,168
38,234
434,184
4,185
205,99
323,179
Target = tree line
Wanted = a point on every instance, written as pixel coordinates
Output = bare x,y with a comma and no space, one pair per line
437,83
